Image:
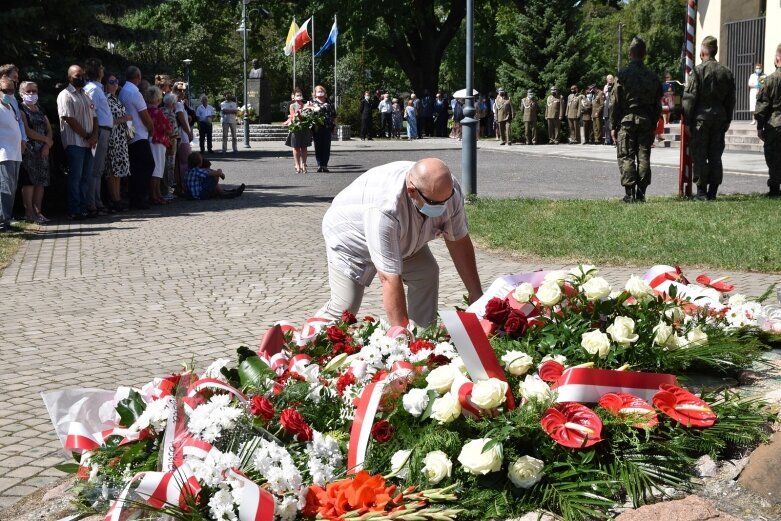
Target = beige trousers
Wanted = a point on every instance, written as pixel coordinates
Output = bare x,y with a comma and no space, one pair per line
420,274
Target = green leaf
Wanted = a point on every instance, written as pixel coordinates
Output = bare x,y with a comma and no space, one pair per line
130,409
68,468
432,395
254,372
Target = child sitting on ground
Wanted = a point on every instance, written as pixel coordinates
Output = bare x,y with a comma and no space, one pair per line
203,183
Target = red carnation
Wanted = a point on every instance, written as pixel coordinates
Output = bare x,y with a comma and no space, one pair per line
262,407
369,318
343,381
515,325
383,431
497,310
293,422
348,317
418,345
335,334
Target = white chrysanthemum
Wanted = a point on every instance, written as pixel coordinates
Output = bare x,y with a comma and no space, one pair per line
286,508
213,371
221,505
737,299
325,458
208,420
155,415
210,471
277,467
415,401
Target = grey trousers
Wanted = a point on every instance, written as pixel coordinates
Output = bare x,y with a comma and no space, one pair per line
420,273
9,177
101,150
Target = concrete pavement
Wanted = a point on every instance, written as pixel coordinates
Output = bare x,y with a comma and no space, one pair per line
117,301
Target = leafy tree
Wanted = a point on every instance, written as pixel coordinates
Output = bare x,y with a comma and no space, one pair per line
662,24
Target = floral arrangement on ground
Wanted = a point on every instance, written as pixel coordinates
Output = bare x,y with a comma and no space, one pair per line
573,407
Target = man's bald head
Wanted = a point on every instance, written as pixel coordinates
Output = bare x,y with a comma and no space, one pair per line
432,177
73,71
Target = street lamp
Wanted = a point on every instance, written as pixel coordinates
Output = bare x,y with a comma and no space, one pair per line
110,46
469,123
244,29
187,63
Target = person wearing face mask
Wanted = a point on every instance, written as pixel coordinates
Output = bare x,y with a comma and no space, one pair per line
299,141
94,89
205,113
381,224
755,82
228,110
597,107
365,110
586,107
35,160
10,152
768,117
608,88
79,131
322,134
529,111
555,113
573,114
9,71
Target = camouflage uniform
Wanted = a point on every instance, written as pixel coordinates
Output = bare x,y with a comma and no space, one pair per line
634,110
768,116
708,103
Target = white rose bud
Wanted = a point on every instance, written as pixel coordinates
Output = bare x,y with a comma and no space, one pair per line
596,288
622,331
534,388
415,401
441,378
446,408
517,363
549,294
525,471
674,313
595,342
524,292
400,463
697,337
557,276
477,462
662,334
489,394
436,466
583,271
638,288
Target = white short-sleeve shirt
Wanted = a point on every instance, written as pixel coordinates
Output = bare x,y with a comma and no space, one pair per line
374,225
134,104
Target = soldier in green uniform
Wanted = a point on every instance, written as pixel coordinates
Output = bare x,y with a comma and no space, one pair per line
768,116
529,109
635,108
708,102
573,115
597,106
586,102
555,113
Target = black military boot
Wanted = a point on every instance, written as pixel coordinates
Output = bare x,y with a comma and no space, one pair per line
712,191
775,191
630,194
702,194
640,194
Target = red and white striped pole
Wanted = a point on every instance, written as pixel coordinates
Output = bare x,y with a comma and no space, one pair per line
685,168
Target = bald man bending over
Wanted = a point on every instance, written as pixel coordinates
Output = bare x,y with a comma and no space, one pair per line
381,224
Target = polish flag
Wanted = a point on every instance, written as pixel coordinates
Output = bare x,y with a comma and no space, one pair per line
300,38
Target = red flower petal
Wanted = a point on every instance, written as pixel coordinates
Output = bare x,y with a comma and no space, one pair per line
550,370
572,425
684,407
720,286
623,405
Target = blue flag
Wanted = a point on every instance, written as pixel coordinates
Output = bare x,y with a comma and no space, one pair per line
330,41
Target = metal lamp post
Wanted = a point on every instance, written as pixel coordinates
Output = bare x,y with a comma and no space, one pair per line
469,124
244,30
187,63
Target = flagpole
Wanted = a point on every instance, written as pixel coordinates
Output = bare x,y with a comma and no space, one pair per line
294,56
313,54
336,102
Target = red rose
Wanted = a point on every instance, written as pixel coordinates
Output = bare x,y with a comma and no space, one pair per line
383,431
497,310
437,360
418,345
348,317
343,381
515,325
335,334
293,422
369,318
262,407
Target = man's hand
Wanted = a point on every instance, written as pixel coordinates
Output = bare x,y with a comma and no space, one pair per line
613,135
92,139
462,252
24,147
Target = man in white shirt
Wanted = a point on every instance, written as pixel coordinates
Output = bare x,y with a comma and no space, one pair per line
386,115
203,114
9,71
142,162
94,89
754,84
10,151
228,110
381,224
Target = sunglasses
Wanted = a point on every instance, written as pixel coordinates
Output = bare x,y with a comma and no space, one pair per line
434,203
7,91
113,82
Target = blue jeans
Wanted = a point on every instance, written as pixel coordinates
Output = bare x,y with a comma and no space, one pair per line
79,177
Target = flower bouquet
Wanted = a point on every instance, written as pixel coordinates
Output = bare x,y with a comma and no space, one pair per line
309,117
562,408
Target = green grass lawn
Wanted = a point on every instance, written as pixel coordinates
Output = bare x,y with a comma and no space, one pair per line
9,244
740,232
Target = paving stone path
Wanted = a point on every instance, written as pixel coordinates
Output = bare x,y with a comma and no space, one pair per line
118,301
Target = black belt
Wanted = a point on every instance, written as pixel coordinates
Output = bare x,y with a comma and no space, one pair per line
105,128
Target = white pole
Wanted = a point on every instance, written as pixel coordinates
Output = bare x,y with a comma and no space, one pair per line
336,102
313,54
293,48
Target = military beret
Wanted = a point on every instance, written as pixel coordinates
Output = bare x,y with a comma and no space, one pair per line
637,46
711,43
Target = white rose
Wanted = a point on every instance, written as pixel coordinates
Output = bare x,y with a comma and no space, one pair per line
534,388
525,471
662,334
596,288
489,394
436,466
638,288
674,313
549,293
446,408
518,363
458,364
583,271
441,378
622,331
524,292
415,401
697,337
477,462
595,342
557,276
400,463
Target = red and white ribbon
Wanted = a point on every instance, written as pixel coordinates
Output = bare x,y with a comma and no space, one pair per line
474,348
157,489
312,326
79,439
587,385
256,504
361,429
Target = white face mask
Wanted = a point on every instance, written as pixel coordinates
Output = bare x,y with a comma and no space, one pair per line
30,99
320,94
758,71
299,98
